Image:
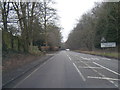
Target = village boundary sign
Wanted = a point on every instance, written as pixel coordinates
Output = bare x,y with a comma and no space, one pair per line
108,44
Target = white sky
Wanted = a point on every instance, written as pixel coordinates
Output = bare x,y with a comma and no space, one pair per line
70,11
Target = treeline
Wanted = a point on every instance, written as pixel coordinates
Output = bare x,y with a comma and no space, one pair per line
26,24
102,21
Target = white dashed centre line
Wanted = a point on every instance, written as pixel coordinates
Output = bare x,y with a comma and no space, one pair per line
77,69
79,72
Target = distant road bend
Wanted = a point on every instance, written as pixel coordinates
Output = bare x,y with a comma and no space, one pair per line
68,69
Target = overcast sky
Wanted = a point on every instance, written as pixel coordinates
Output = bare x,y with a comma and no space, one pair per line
70,11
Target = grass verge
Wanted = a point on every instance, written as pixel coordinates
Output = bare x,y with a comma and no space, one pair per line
101,53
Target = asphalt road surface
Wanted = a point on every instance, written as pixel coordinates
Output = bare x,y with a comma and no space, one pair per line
68,69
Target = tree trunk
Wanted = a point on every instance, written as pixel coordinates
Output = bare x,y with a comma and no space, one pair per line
12,41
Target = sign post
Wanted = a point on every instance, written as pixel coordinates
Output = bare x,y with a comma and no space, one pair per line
103,40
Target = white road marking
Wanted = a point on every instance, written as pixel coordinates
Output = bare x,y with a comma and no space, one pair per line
94,58
69,57
94,70
106,68
100,74
50,54
106,58
30,74
89,58
26,77
91,67
106,78
77,69
85,58
79,72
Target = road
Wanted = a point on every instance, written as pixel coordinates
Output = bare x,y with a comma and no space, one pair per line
68,69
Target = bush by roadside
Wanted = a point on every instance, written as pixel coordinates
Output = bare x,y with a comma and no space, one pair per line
17,65
13,61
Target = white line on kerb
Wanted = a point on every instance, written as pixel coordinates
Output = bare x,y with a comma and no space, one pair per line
106,68
79,72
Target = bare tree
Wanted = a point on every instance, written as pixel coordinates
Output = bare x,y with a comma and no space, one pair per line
48,15
5,10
